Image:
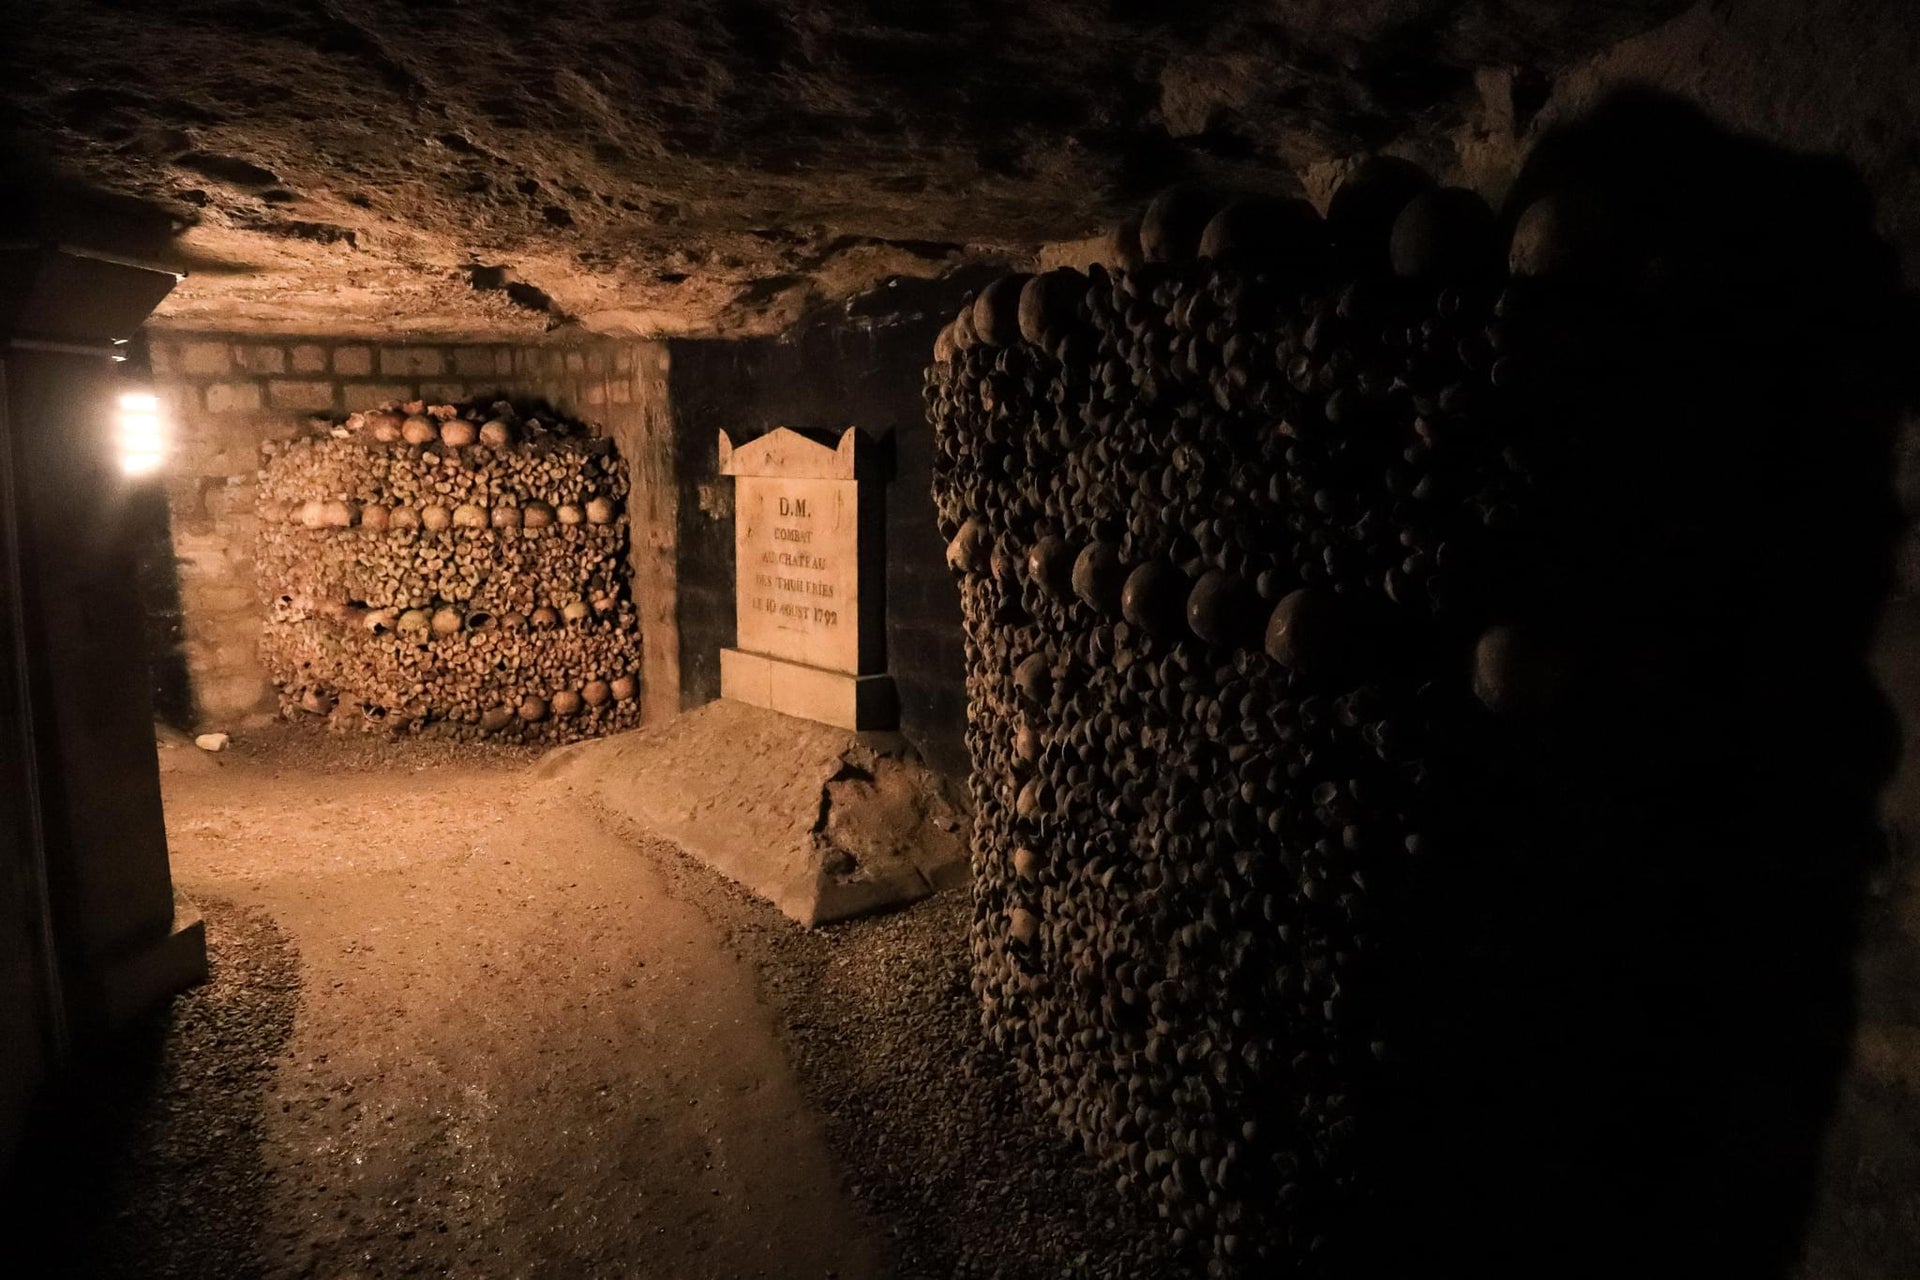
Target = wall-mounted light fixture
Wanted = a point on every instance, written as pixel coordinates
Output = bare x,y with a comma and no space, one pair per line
140,433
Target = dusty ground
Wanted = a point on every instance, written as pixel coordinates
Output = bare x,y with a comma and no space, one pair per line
883,1034
150,1161
515,1053
457,1028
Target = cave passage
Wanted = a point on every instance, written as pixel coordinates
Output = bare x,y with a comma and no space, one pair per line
889,641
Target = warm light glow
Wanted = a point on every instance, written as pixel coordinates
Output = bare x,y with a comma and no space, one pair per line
141,436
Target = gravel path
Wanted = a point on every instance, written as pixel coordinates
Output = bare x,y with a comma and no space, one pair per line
882,1030
457,1026
160,1167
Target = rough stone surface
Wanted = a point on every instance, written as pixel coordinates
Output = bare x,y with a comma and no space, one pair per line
683,167
823,823
510,167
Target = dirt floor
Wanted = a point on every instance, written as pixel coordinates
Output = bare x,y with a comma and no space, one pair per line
458,1026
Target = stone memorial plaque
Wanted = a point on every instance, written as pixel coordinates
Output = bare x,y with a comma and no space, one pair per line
808,569
797,549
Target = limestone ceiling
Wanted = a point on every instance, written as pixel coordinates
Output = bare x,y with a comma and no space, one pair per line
382,166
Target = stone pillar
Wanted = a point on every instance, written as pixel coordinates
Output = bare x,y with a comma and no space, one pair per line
90,883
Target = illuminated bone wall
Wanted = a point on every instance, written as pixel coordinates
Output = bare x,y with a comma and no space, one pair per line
460,568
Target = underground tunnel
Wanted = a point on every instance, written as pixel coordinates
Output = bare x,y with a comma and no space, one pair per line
869,640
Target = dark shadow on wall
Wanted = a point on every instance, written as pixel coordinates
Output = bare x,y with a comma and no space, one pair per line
51,208
164,615
1630,965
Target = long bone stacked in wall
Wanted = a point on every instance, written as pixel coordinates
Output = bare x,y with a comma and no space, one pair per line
449,567
1231,524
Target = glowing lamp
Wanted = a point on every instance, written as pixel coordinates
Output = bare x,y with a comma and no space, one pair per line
140,436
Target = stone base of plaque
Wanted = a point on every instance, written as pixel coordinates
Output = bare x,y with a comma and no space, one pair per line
825,823
811,693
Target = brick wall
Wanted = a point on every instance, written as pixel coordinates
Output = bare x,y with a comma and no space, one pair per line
227,394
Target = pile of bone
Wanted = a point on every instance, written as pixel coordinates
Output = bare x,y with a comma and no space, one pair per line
448,567
1233,521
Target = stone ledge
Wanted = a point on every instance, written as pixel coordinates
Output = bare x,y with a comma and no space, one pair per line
810,693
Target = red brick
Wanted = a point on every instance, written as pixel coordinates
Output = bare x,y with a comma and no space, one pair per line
309,357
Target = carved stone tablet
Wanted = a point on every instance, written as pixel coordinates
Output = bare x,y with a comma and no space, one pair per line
808,572
797,547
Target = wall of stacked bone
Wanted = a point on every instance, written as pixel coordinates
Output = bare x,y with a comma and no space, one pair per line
227,395
452,567
1276,544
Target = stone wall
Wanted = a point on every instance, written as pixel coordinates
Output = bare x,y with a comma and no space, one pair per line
712,386
228,393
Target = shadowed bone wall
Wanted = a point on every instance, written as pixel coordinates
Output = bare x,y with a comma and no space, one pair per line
1492,902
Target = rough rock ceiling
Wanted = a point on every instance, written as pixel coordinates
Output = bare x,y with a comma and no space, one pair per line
689,167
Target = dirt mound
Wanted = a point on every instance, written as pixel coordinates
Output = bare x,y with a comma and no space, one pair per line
823,823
